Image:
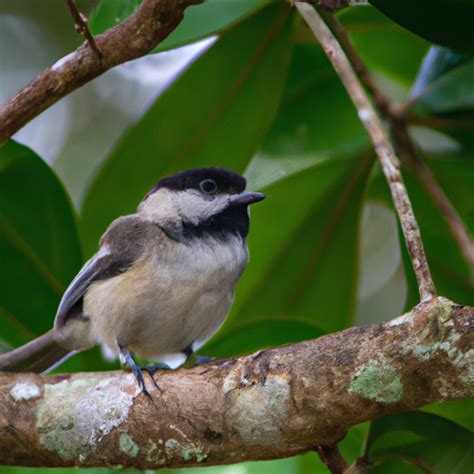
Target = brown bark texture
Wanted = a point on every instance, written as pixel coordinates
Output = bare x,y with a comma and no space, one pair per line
153,21
271,404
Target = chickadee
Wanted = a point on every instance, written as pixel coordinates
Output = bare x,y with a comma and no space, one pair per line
163,279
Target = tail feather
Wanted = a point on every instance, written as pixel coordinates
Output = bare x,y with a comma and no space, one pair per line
37,355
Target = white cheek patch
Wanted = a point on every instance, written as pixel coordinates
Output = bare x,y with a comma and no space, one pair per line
159,206
168,206
195,207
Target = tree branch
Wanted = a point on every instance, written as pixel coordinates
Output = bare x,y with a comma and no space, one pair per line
398,120
271,404
332,458
381,143
153,21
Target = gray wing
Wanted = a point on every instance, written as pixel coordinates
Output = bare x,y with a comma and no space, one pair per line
122,244
100,267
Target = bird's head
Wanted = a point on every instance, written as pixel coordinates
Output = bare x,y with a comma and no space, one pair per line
201,201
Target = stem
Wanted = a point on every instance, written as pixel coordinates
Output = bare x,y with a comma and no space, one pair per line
332,458
436,193
80,25
383,148
398,120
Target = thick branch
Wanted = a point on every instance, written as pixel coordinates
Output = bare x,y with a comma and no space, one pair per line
397,118
153,21
381,143
271,404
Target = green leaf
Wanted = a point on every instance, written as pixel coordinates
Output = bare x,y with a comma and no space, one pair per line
423,440
453,91
199,21
301,236
109,13
314,109
39,245
261,334
384,46
209,18
202,119
437,62
446,22
451,273
397,466
459,411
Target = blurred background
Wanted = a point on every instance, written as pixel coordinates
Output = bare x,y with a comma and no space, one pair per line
325,245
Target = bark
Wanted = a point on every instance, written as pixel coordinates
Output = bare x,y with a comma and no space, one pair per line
267,405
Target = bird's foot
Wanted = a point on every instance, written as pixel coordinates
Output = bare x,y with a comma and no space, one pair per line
151,369
127,358
201,359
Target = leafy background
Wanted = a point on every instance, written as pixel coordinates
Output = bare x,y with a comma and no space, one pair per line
255,94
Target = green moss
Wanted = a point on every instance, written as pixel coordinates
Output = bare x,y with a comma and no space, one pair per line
128,446
445,309
378,381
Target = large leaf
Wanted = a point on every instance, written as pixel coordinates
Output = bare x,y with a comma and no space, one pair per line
445,22
199,21
385,47
444,86
421,439
451,273
261,334
452,91
216,113
316,116
39,245
437,62
459,411
109,13
301,237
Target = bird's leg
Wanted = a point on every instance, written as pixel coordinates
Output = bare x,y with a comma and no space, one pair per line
127,358
198,359
151,369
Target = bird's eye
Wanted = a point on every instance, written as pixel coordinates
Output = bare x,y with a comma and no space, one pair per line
208,186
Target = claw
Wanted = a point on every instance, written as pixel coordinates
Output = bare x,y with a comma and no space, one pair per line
152,369
128,359
200,360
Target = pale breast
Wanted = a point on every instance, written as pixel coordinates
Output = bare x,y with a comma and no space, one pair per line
174,298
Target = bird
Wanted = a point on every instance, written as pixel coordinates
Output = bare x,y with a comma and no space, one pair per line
162,281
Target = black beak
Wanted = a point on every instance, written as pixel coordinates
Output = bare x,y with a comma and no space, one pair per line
246,198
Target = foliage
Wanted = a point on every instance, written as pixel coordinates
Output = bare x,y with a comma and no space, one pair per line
264,100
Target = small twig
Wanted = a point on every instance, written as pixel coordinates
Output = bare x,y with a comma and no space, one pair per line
381,143
80,25
384,105
435,192
332,458
334,461
405,144
436,122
